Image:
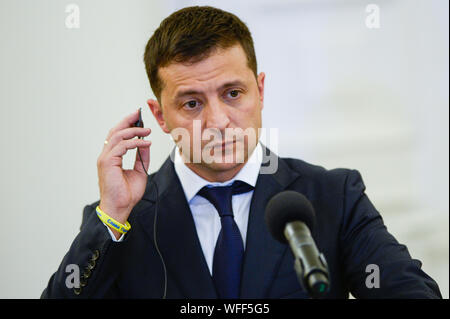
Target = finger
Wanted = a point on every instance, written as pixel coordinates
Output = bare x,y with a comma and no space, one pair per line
126,134
122,147
144,153
128,121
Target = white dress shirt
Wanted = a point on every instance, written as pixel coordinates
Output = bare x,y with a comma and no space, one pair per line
205,215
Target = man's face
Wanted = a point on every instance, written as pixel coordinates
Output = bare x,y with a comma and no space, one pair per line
208,98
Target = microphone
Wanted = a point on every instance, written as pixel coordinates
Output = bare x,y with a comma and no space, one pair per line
290,217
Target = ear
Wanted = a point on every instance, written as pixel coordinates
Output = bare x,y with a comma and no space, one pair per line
158,114
260,82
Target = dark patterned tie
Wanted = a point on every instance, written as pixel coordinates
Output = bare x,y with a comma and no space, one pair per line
229,250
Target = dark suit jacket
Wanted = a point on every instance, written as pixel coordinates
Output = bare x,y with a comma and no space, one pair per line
349,231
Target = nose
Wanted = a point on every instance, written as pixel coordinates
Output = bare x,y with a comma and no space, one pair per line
216,115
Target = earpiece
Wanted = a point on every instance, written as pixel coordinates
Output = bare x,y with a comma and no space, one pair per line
139,122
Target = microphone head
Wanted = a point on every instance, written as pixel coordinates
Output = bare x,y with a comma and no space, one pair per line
286,207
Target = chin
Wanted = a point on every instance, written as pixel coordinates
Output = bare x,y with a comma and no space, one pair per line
223,167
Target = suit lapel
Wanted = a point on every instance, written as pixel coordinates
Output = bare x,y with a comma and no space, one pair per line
263,253
177,236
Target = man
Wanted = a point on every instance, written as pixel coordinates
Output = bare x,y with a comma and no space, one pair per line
197,225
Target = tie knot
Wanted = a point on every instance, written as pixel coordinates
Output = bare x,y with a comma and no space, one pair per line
220,196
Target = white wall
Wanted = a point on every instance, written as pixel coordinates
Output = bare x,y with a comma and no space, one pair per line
371,99
61,91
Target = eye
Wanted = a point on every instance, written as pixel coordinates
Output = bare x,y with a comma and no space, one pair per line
191,104
234,93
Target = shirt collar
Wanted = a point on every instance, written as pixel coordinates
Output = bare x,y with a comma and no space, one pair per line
192,183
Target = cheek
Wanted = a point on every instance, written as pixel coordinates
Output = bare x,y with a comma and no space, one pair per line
249,115
174,120
179,128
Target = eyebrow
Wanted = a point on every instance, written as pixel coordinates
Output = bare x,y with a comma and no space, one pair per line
182,93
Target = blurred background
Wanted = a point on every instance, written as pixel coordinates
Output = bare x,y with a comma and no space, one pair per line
349,83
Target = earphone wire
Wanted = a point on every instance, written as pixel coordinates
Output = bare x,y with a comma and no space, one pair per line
154,228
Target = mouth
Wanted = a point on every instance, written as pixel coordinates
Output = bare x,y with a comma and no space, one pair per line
225,144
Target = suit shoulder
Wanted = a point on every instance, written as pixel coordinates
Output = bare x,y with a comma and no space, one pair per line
325,179
312,170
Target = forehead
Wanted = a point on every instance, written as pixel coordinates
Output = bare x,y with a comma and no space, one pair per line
220,65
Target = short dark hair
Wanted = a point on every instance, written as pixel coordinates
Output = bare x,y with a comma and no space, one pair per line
192,34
